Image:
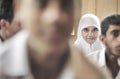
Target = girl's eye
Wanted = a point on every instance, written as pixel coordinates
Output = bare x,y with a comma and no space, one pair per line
85,30
95,29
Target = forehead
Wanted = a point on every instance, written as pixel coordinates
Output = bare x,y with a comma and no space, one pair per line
113,27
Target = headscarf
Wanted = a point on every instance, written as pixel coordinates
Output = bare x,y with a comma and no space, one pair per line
86,21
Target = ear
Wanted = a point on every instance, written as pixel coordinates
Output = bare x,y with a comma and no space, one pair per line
102,39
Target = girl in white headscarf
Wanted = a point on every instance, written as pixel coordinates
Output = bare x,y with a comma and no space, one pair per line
88,34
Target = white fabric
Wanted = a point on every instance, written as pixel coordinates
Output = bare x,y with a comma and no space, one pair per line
13,56
98,58
86,21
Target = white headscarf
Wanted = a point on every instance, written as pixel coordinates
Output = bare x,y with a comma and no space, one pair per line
86,21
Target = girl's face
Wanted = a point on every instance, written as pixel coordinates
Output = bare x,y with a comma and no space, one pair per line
90,34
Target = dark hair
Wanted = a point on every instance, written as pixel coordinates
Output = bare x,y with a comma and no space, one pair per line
110,20
65,4
6,10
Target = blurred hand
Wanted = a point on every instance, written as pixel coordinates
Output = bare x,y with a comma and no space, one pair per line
7,30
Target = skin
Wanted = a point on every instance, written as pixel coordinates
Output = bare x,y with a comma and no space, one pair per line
49,34
112,43
7,30
90,34
50,26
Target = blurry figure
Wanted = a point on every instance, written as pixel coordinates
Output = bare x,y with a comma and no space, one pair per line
83,66
42,50
7,29
109,57
8,26
88,34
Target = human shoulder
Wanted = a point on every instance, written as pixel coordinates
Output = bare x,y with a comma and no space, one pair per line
11,43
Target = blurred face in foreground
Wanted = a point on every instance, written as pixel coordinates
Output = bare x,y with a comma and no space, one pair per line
50,22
